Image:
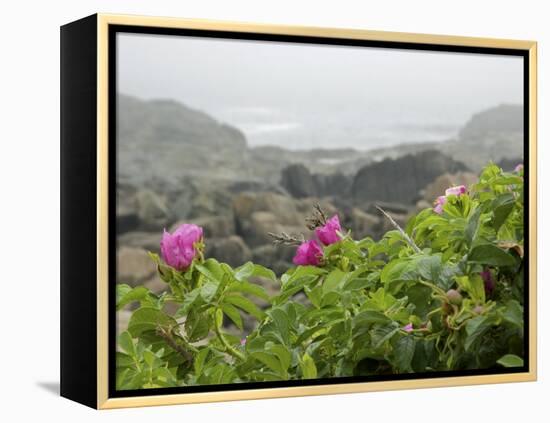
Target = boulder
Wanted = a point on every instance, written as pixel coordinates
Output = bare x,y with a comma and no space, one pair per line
213,226
134,266
127,219
363,224
149,241
400,180
298,181
281,206
231,250
152,210
333,184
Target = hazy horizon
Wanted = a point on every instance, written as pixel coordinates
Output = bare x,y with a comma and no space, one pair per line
301,96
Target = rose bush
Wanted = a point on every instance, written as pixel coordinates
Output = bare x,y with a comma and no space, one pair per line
444,293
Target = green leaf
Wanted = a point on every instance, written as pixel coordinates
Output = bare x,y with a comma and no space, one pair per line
502,207
124,360
232,312
126,295
126,343
513,313
149,358
474,286
211,269
264,272
196,326
333,280
490,255
282,354
249,288
383,333
314,295
148,318
199,360
403,352
475,328
307,365
510,360
245,271
245,304
472,227
369,317
270,360
281,322
190,300
208,290
429,267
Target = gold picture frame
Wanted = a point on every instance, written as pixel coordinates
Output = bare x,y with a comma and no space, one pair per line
98,27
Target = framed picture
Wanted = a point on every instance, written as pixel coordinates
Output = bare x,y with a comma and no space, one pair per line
257,211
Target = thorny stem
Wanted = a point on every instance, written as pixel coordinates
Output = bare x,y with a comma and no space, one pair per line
401,231
232,351
318,219
286,239
164,334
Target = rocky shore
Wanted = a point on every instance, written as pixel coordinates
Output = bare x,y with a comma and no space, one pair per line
180,165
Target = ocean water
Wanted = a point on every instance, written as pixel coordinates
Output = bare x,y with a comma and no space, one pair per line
305,130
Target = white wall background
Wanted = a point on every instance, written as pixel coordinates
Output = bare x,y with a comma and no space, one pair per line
29,209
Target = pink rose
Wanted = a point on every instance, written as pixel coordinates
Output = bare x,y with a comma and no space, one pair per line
458,190
178,249
327,234
438,205
519,168
309,253
408,327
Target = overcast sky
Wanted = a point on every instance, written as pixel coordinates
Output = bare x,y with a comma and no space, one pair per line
297,83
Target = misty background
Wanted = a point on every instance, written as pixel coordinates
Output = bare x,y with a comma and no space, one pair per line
302,96
243,138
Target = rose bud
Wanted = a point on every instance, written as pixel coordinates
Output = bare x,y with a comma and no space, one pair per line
179,248
308,253
454,297
488,281
439,203
478,309
408,327
327,234
458,190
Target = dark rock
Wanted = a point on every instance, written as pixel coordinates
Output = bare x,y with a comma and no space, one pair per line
400,180
332,184
298,181
126,221
213,226
277,257
152,210
231,250
508,165
363,224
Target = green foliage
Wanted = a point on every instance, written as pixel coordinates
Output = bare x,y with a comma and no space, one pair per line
396,305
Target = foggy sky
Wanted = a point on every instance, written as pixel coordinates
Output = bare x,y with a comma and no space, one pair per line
221,76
